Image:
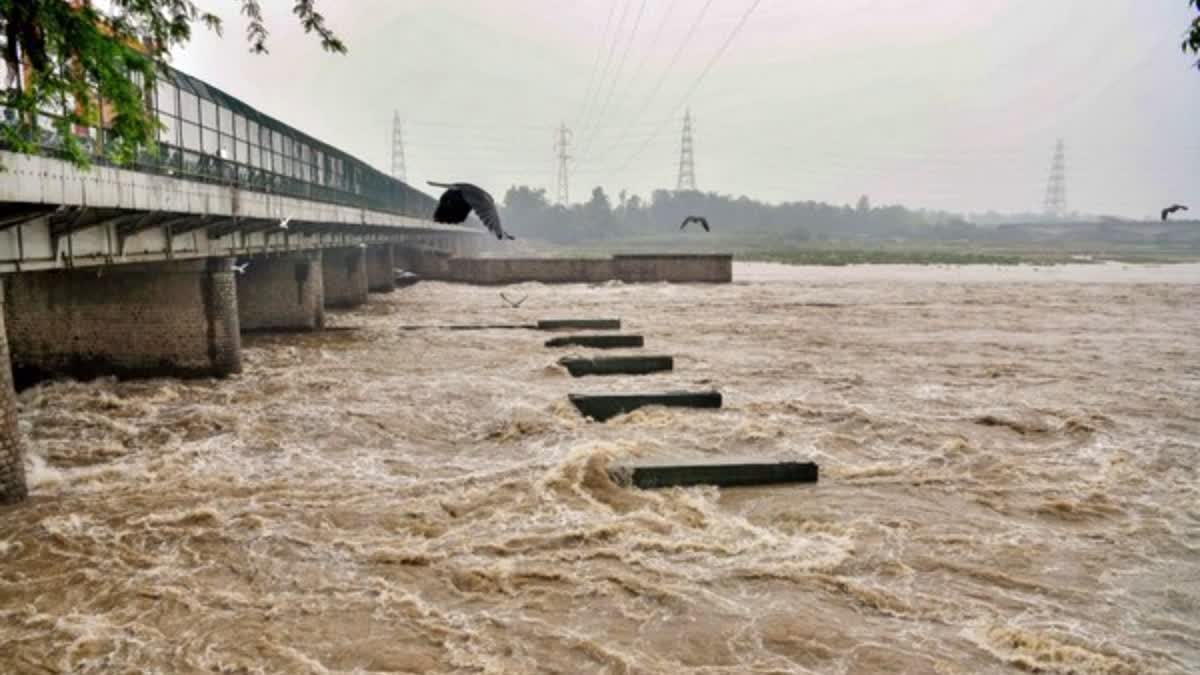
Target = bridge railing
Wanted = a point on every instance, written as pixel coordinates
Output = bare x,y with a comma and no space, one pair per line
207,135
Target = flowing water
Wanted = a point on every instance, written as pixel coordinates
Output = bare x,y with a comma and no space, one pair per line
1009,483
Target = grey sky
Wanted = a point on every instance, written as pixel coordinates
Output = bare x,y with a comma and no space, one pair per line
949,104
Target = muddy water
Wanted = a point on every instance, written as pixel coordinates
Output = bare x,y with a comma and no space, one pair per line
1009,483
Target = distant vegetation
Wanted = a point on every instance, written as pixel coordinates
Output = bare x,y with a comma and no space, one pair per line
817,233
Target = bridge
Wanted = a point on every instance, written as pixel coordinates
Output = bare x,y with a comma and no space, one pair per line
237,222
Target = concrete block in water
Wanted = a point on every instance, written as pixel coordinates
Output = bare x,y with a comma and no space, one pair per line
580,324
618,365
602,407
722,473
597,341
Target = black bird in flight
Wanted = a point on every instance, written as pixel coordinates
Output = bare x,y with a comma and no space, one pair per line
514,303
460,199
1172,209
696,219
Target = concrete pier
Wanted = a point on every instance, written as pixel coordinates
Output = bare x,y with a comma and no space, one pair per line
146,320
381,268
12,460
283,292
344,273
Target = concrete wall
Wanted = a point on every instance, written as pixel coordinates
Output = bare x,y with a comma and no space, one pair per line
159,319
344,273
381,269
683,268
12,460
282,293
627,268
427,264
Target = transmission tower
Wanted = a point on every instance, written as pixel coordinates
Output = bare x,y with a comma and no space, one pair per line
1056,187
687,161
398,169
561,144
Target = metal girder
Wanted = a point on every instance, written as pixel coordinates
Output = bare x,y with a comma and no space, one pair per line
244,225
12,215
202,222
63,222
139,222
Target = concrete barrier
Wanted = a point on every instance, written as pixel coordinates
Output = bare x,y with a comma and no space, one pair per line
726,473
648,268
617,365
597,341
583,324
655,267
602,407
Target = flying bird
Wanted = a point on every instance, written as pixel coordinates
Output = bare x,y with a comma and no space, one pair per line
460,199
1172,209
241,269
514,303
283,223
696,219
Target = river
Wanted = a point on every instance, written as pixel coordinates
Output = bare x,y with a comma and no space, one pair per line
1009,483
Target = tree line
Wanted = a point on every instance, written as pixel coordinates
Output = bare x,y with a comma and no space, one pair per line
530,212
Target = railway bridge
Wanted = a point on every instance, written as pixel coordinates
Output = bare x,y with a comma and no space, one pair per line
237,222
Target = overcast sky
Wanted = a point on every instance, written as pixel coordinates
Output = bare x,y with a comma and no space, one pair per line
945,104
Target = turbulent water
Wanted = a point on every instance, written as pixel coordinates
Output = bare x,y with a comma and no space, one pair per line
1009,483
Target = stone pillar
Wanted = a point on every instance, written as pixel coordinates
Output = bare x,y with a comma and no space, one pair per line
12,460
344,273
176,319
381,268
282,293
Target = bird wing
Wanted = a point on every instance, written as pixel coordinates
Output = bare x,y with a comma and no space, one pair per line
1166,212
704,223
452,207
685,222
485,207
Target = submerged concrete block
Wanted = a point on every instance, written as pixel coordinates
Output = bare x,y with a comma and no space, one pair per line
617,365
722,473
581,324
603,407
597,341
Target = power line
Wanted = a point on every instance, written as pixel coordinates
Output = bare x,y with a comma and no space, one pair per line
670,65
704,73
612,50
587,93
637,22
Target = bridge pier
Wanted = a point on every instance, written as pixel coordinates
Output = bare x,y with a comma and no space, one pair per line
12,460
381,268
283,292
141,320
344,272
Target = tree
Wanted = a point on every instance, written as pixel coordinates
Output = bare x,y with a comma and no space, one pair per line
864,204
88,68
1192,42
